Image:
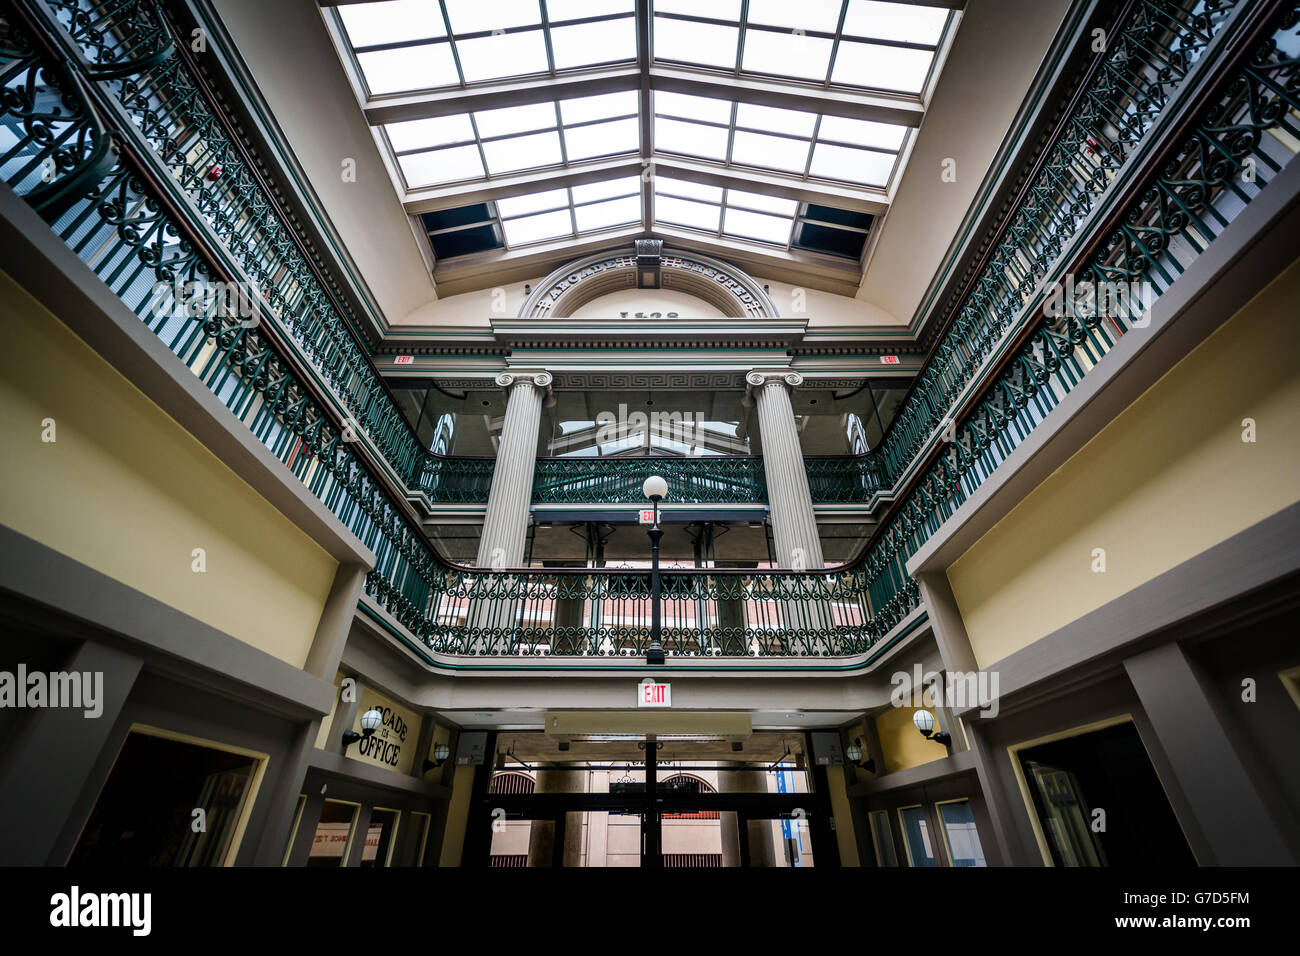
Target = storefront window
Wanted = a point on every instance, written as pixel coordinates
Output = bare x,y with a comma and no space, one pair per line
333,834
916,837
959,833
378,850
156,791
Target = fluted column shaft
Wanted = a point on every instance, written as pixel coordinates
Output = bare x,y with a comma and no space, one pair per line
505,524
794,523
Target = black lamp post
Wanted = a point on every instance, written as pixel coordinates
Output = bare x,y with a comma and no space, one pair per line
655,488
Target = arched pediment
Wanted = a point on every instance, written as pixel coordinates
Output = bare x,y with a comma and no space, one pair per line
728,290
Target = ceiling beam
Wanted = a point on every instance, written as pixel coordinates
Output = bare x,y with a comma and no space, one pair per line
646,119
855,198
902,110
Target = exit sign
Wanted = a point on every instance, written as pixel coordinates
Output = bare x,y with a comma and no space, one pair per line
889,360
650,694
646,516
404,360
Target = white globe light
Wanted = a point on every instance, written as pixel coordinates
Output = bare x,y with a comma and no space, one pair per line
441,752
924,721
655,488
854,753
371,721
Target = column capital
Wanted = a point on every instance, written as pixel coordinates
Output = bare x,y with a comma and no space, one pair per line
760,377
538,378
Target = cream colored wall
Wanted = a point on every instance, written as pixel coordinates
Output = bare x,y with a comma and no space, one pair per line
128,492
1167,479
901,743
453,841
826,308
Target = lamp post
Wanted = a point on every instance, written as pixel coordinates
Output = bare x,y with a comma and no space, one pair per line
655,488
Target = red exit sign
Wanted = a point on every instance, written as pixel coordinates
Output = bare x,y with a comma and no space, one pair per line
404,360
650,694
646,516
889,360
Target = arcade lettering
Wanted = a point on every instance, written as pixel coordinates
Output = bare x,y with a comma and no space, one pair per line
385,744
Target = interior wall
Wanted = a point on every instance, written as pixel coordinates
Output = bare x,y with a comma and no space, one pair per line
125,490
1168,478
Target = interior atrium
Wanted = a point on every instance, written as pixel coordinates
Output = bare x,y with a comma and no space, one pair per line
650,434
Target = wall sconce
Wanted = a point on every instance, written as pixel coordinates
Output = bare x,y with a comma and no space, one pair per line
371,721
924,721
854,753
440,754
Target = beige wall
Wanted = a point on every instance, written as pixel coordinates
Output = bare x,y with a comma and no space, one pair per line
1167,479
453,840
128,492
901,743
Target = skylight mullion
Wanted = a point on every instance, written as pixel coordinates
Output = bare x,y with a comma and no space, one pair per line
455,58
830,65
550,56
573,214
559,131
726,199
740,46
817,125
731,126
478,140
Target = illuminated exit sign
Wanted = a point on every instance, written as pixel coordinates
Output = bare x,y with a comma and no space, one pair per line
889,360
646,516
404,360
650,694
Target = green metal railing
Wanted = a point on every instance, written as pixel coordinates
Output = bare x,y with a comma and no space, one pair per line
711,480
111,205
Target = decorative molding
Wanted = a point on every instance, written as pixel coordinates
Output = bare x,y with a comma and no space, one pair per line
728,289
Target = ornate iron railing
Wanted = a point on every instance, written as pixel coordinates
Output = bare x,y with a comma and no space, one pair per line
710,480
144,243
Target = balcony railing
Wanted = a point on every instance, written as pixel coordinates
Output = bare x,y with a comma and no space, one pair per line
108,202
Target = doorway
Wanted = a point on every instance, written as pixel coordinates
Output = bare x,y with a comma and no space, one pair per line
641,802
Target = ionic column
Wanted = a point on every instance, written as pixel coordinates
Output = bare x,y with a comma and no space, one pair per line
505,524
794,525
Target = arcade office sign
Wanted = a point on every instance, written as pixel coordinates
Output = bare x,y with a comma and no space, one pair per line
393,745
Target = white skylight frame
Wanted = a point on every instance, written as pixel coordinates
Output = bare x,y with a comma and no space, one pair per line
455,41
479,145
569,212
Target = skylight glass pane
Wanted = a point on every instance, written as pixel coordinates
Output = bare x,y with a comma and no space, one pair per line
410,68
441,166
851,165
786,54
604,106
769,118
683,187
627,185
602,215
823,15
862,132
506,54
881,67
547,225
557,10
685,212
533,202
605,41
895,21
435,131
522,152
774,204
707,44
772,152
691,138
602,139
515,119
391,22
476,16
714,9
753,225
704,108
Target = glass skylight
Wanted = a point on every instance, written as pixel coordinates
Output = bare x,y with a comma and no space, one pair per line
569,212
862,43
803,144
402,46
486,143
